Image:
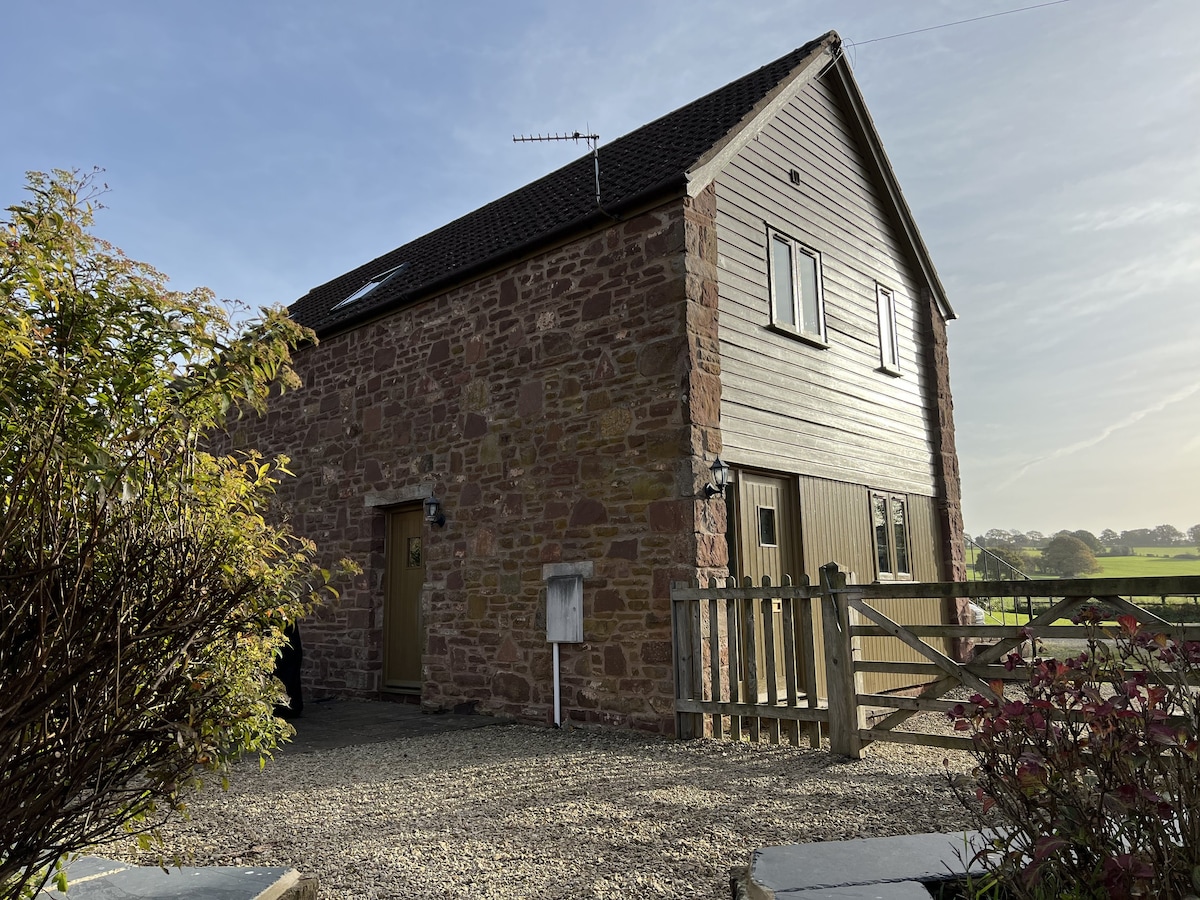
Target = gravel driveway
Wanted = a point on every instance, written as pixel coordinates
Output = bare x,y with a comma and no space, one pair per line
516,811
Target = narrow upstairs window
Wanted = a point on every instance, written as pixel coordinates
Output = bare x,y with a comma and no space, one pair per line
782,290
889,337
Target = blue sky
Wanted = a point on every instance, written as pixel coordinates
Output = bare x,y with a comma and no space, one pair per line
1050,157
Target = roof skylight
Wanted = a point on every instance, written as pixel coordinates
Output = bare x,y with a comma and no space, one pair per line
380,279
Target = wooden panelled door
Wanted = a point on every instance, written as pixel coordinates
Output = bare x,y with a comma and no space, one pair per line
403,629
768,516
767,543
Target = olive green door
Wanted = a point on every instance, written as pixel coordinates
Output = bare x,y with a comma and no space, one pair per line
403,628
767,528
767,544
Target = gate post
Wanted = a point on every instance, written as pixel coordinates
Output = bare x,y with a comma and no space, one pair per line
687,687
839,665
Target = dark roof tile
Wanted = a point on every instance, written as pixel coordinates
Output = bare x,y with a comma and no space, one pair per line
655,157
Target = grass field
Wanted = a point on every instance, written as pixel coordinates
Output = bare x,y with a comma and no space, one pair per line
1011,618
1162,551
1142,565
1148,561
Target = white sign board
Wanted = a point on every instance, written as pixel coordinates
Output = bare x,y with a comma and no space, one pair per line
564,609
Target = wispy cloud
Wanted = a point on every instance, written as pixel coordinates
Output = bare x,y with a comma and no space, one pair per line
1130,420
1154,212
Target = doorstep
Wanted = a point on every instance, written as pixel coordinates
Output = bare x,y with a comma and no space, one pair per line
887,868
96,878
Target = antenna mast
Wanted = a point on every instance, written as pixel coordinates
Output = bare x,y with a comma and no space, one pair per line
593,141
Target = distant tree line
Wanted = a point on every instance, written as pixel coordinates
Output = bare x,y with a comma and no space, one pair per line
1108,540
1072,553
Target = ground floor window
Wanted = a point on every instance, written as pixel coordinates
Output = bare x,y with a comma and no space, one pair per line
889,520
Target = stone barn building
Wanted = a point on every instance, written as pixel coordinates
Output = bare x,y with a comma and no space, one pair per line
560,374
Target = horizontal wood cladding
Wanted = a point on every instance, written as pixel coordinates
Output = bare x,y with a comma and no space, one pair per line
783,447
788,405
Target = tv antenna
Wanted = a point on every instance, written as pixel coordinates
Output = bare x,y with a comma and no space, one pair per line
593,141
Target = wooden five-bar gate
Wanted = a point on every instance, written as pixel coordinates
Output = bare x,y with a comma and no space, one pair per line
787,660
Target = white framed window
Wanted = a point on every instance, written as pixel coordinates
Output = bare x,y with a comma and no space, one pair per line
889,335
889,523
768,534
797,298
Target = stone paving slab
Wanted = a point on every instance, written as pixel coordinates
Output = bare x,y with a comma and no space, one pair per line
888,867
95,878
891,890
88,867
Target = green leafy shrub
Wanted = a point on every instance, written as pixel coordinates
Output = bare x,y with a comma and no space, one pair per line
142,590
1092,779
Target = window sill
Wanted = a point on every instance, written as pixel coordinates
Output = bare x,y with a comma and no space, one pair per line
812,340
888,370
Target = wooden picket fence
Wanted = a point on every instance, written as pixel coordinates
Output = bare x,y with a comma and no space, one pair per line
745,659
746,656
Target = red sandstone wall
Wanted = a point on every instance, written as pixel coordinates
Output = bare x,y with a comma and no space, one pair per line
950,483
954,566
561,412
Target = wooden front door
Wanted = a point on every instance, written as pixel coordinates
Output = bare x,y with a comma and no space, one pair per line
767,544
767,532
403,629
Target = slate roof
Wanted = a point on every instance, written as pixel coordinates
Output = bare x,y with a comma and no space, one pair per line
652,160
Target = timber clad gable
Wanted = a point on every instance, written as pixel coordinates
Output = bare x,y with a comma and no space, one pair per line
828,412
561,378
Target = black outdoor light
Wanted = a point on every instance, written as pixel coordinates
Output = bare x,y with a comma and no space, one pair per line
720,475
433,511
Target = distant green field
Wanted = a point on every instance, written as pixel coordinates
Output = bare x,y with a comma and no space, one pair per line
1149,561
1139,566
1161,551
1011,618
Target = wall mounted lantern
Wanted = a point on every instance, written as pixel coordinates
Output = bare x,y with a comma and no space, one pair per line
433,512
720,475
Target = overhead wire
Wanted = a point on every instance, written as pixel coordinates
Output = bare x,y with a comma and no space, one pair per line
1007,12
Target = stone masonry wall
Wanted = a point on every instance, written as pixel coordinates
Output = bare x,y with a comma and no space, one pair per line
946,462
564,410
703,386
